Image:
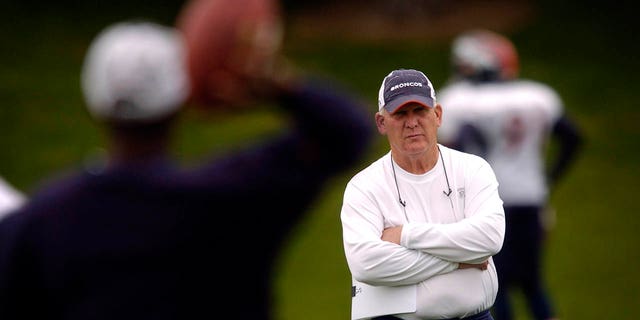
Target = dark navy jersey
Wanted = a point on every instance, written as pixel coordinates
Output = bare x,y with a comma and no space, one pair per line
159,241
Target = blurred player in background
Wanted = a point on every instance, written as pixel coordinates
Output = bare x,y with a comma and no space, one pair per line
10,198
142,238
520,127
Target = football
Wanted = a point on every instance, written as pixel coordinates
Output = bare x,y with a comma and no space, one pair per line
228,42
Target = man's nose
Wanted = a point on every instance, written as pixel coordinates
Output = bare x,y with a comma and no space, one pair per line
412,121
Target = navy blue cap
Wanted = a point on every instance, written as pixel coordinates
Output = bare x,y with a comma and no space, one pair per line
403,86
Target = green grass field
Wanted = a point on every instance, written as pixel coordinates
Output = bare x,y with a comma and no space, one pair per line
587,54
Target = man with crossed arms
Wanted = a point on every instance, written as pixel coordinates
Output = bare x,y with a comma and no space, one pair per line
421,223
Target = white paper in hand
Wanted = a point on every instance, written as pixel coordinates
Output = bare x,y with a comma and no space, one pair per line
370,301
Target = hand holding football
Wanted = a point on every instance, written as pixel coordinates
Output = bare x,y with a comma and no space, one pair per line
229,43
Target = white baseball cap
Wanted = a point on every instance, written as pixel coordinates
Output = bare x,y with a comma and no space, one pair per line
135,71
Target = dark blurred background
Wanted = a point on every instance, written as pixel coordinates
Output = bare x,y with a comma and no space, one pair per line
586,50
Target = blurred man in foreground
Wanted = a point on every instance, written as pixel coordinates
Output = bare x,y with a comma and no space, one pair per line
141,238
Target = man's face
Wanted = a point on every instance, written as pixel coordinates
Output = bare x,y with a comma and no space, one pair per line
411,129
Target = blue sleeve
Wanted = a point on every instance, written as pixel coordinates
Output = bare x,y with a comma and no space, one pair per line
329,130
471,140
569,140
335,127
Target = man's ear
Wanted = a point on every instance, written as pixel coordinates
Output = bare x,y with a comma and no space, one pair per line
438,110
380,123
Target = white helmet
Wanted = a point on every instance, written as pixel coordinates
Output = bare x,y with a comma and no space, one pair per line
135,71
479,54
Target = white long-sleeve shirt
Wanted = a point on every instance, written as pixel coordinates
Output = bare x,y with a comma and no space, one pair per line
439,231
